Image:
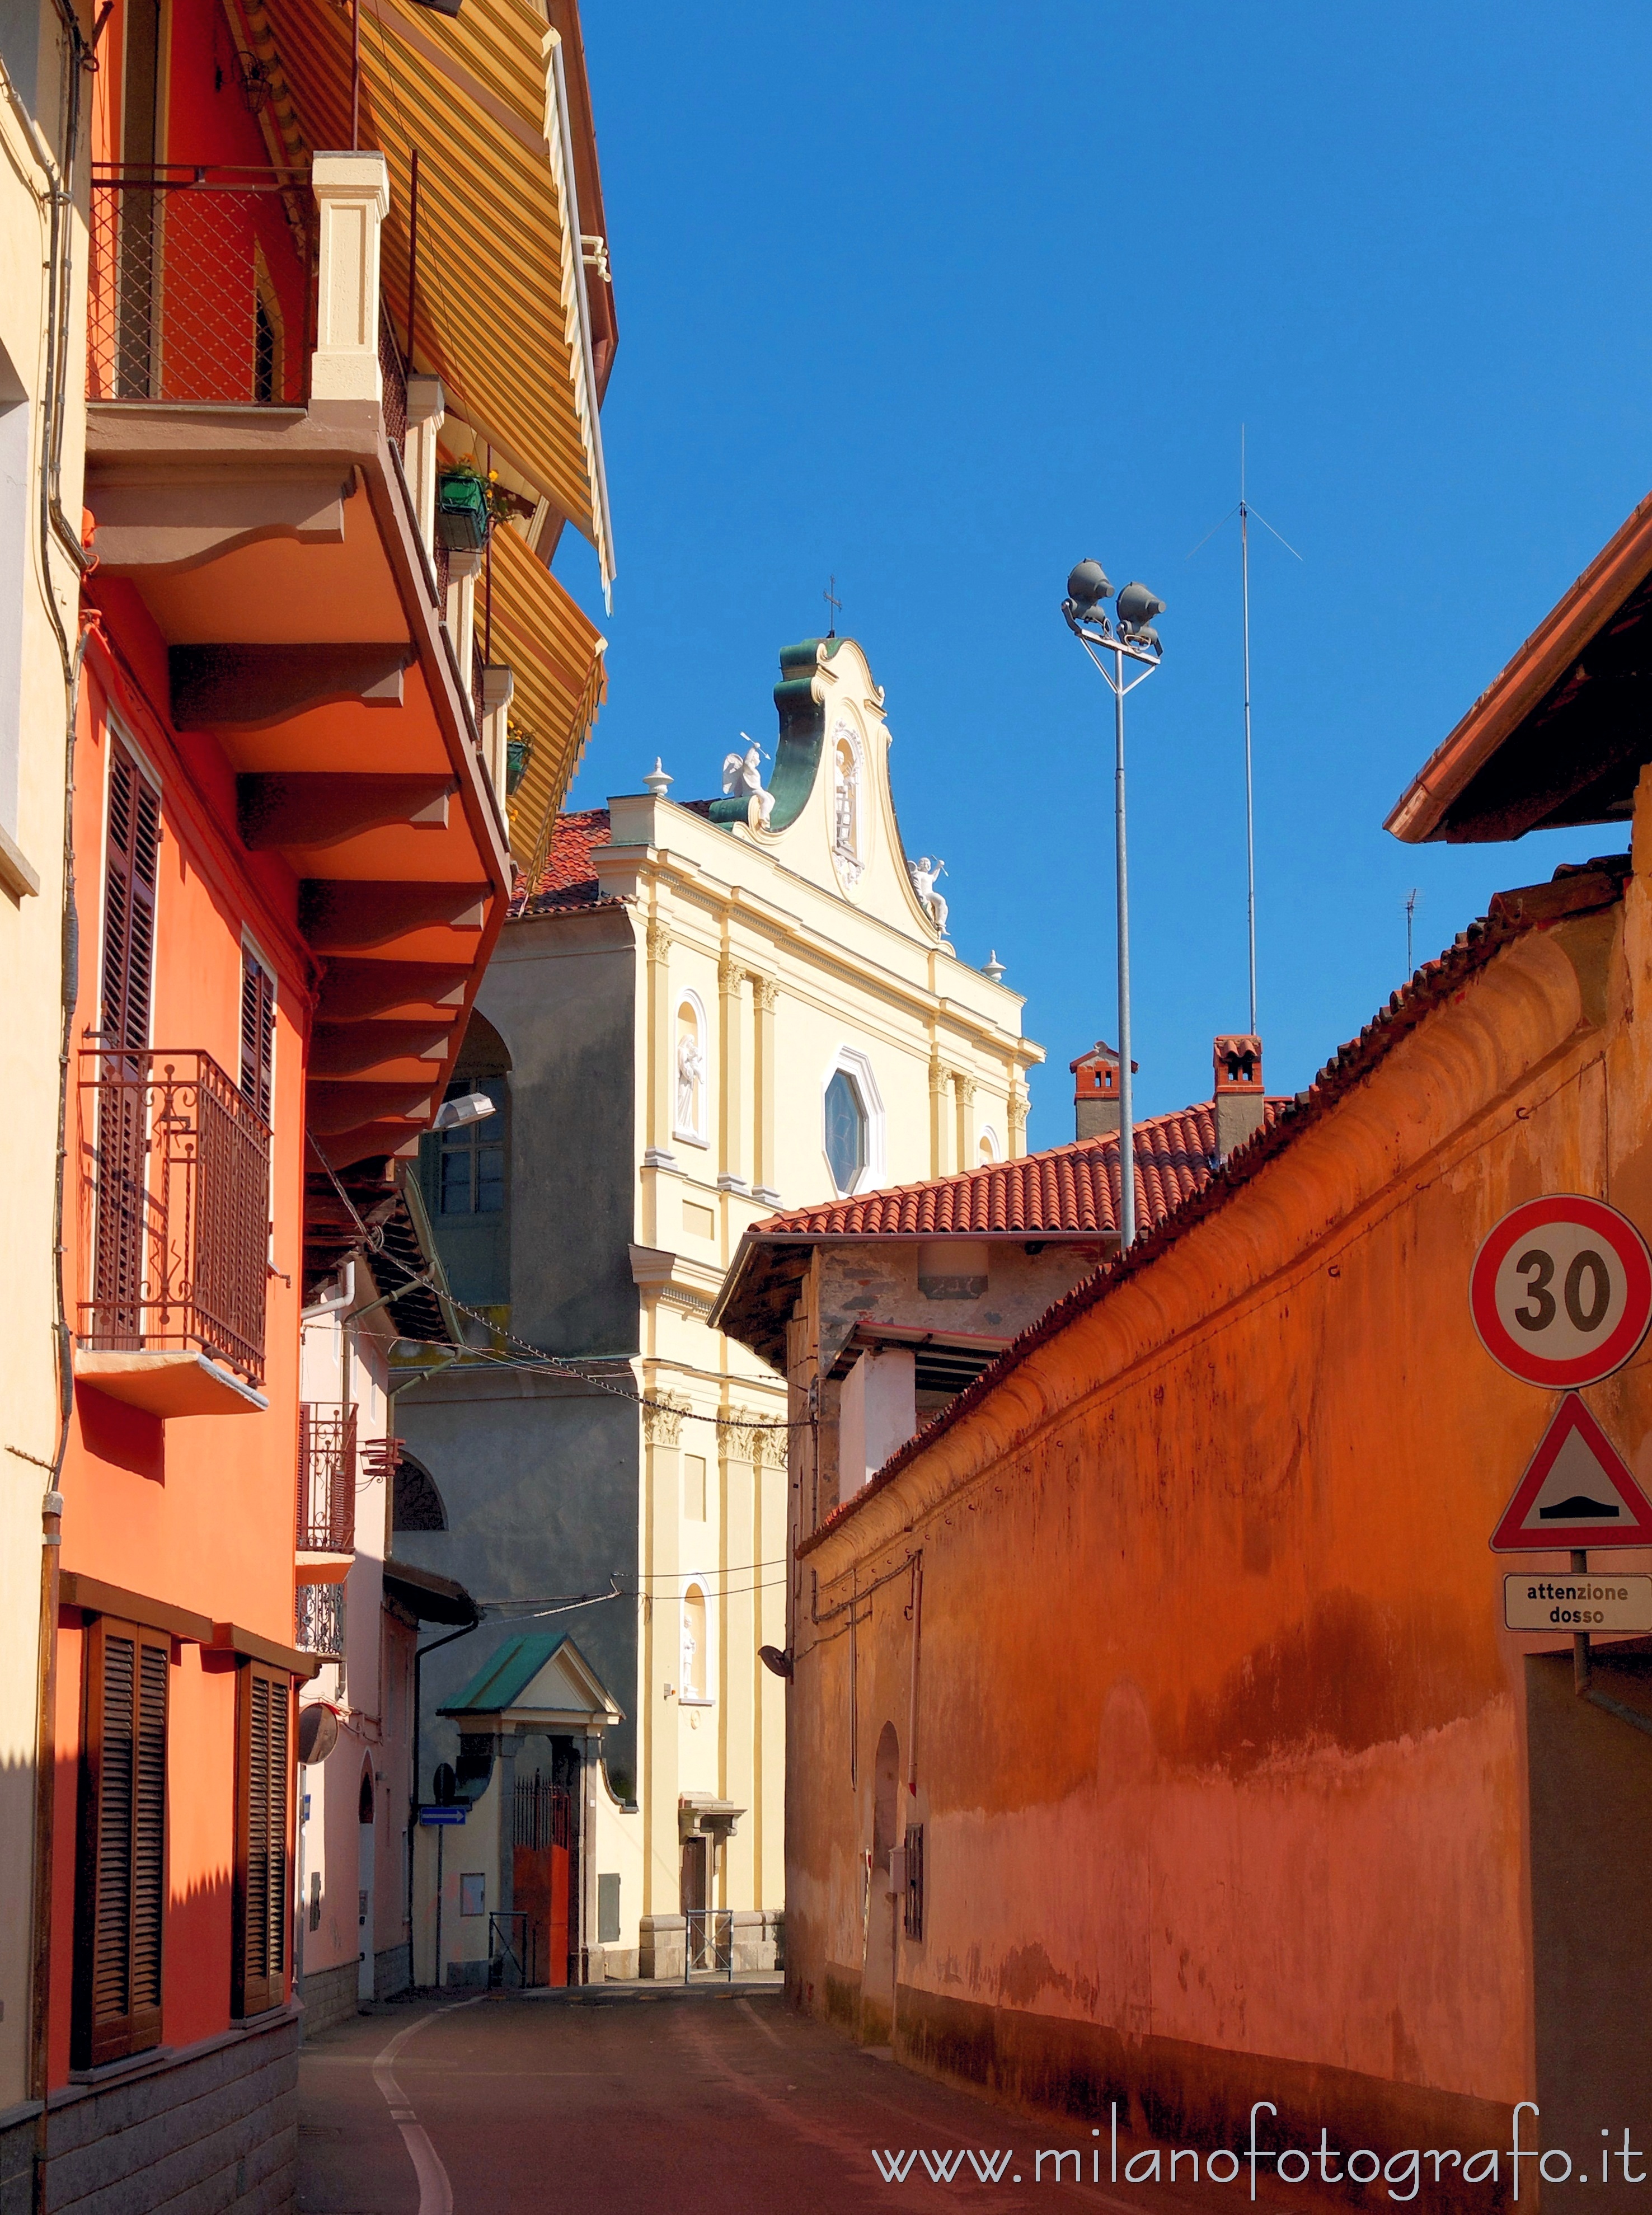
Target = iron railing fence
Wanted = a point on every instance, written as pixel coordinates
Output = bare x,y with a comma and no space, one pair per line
202,285
393,371
178,1162
544,1815
318,1621
513,1950
709,1942
327,1477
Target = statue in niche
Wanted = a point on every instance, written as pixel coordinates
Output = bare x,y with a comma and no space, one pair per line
690,1648
742,779
844,797
691,1073
924,873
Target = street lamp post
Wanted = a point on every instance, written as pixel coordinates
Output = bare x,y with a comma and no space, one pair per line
1127,636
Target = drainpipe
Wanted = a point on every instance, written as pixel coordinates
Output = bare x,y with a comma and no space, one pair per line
78,56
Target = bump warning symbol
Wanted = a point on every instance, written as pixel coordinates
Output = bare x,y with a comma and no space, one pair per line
1576,1491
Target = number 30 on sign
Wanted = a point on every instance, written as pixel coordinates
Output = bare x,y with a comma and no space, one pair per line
1561,1291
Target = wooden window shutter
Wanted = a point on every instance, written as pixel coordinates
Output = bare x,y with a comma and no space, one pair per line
120,1888
257,1033
132,854
263,1799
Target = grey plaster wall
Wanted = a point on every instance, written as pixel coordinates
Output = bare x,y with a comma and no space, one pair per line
540,1475
560,992
540,1479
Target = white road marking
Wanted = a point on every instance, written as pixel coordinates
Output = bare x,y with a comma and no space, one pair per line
752,2016
435,2192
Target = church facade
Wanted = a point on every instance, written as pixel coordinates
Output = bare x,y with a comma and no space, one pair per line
704,1010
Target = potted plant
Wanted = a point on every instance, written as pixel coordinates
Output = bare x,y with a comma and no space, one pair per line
468,505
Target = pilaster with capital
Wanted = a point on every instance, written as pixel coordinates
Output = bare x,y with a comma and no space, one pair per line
731,1099
657,1154
765,1169
963,1092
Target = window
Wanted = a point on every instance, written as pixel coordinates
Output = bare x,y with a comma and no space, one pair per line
912,1910
417,1504
121,1881
695,1674
689,1119
130,854
131,857
257,1033
473,1157
264,1755
988,1146
845,1131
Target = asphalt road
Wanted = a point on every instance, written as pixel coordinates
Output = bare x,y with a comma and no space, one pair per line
679,2105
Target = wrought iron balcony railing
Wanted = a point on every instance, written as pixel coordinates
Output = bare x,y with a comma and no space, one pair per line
176,1163
318,1621
327,1478
202,285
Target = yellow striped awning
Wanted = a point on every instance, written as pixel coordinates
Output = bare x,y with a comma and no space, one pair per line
554,652
498,299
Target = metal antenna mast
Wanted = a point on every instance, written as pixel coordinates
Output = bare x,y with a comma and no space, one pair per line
1244,511
1250,797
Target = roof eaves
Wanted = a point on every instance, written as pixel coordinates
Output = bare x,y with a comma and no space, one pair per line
1622,564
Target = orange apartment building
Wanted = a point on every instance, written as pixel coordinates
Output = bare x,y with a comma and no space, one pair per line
1157,1749
328,686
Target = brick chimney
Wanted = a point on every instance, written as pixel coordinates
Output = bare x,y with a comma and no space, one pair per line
1240,1098
1095,1092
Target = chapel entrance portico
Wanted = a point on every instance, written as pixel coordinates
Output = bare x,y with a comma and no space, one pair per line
511,1897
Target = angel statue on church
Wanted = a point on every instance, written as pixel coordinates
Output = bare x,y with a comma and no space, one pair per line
742,779
690,1068
924,873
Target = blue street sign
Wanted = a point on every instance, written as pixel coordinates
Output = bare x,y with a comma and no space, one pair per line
438,1815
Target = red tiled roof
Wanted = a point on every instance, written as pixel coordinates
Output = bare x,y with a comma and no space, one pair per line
1066,1188
569,876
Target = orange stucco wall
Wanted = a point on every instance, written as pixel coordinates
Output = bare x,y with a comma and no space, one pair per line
1220,1744
197,1512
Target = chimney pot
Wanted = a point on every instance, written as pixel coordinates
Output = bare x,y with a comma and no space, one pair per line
1240,1096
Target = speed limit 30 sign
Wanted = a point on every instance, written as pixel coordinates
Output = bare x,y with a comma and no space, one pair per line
1561,1291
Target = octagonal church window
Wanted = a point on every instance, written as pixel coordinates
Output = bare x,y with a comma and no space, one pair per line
845,1131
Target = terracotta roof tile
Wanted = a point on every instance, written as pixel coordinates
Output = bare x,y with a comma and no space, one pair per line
569,876
1066,1188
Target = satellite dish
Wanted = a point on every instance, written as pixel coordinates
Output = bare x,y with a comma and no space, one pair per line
318,1731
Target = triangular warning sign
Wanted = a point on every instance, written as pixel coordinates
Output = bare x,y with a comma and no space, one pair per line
1576,1491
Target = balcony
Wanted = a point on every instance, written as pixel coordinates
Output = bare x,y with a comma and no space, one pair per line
327,1491
200,285
318,1621
175,1174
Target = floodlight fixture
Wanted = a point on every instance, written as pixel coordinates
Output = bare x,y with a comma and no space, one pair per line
1137,606
1128,638
469,1107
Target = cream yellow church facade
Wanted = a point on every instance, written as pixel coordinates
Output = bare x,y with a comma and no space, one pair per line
707,1011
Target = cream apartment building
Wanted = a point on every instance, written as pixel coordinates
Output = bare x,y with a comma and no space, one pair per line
704,1010
42,442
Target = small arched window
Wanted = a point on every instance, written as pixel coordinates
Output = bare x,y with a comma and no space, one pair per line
988,1146
691,1073
696,1672
416,1504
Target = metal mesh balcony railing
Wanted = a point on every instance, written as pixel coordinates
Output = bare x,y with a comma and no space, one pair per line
177,1163
318,1621
201,285
327,1478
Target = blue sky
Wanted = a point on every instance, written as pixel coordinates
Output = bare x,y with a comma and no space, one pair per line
941,299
